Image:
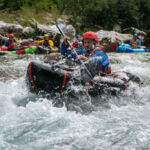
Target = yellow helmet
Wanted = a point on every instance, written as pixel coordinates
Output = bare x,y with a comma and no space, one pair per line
46,35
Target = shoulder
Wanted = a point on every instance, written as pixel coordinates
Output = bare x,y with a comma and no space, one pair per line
101,48
40,41
98,50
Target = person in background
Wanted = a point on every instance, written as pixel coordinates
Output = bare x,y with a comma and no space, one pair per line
90,51
46,42
135,42
78,43
10,44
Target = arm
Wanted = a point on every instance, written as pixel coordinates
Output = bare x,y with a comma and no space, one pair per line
82,57
63,49
6,43
99,58
64,46
39,42
51,44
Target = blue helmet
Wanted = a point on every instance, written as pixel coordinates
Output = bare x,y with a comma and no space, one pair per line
135,35
78,36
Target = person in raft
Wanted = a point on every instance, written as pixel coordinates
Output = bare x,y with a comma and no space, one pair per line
135,42
10,44
46,42
90,51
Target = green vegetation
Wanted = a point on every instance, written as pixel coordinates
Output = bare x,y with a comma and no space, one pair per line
86,14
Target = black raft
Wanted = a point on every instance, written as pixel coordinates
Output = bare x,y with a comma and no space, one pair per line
58,78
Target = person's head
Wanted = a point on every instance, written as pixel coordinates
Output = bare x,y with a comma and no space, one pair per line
135,36
11,36
46,36
89,40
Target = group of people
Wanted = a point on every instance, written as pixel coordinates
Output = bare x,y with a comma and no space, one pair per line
10,43
86,47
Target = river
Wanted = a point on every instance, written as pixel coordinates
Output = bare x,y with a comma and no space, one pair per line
31,122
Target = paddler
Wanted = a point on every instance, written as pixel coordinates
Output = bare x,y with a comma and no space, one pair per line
90,51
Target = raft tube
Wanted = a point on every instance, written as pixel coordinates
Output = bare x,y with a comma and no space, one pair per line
126,48
29,50
45,77
3,48
49,78
43,50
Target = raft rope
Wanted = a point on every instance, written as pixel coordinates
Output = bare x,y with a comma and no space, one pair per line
30,75
64,82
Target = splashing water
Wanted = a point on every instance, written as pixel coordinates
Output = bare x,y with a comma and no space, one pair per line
32,122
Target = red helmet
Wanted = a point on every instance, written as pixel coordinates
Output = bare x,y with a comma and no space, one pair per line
11,35
90,35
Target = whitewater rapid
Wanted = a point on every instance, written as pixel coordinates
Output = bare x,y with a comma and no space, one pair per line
31,122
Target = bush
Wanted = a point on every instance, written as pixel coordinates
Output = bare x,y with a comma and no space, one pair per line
89,13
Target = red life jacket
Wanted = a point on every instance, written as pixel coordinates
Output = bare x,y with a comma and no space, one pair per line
134,43
106,69
12,44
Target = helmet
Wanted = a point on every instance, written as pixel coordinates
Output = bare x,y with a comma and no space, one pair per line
135,35
90,35
46,35
11,35
78,36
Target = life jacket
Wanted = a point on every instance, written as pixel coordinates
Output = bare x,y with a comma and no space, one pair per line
46,43
134,43
11,44
107,68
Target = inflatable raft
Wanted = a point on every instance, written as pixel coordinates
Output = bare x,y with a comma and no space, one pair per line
23,50
32,48
56,78
29,50
126,48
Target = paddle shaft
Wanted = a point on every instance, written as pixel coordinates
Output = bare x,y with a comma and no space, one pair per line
73,50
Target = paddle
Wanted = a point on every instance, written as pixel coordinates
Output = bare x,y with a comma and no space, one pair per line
68,42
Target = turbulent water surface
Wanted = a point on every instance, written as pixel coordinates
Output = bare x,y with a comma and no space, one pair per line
33,122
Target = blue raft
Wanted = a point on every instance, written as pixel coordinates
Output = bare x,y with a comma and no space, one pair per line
126,48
